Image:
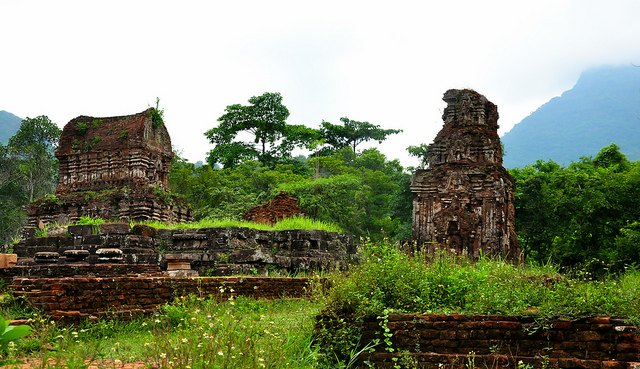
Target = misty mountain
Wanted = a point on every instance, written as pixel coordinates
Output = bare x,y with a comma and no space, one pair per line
9,125
602,108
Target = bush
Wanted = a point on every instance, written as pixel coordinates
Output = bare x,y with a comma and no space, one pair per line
390,280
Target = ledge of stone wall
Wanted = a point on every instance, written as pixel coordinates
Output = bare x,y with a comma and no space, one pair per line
77,269
127,296
210,251
490,341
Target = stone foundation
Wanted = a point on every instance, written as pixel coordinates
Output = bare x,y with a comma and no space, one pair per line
209,251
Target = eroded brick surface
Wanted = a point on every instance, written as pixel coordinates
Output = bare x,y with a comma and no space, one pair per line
456,341
112,168
127,296
280,207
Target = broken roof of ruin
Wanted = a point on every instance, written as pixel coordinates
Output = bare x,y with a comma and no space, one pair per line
139,130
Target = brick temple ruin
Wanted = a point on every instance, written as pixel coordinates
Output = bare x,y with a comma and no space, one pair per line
114,168
281,206
464,200
117,169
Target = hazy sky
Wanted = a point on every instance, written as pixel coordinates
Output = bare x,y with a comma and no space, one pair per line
384,62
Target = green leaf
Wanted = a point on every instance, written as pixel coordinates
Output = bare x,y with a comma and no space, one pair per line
14,332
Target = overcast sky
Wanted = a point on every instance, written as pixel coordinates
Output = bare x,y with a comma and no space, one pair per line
384,62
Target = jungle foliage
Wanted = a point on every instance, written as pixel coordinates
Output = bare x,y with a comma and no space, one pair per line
586,214
28,171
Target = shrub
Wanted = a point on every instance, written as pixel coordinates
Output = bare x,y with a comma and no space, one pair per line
390,280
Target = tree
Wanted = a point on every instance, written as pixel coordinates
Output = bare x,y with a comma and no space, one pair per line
580,216
265,119
421,152
352,133
33,146
12,197
610,156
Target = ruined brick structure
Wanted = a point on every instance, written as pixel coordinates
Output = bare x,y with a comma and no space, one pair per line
463,201
492,341
280,207
113,168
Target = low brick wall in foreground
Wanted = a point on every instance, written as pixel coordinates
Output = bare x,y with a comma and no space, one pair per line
125,296
488,341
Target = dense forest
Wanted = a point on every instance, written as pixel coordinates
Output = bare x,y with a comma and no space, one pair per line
585,216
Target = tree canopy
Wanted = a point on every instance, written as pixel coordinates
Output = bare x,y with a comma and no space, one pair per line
352,133
28,170
265,119
582,214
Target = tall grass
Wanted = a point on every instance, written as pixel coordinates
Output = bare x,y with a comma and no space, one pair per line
294,223
389,280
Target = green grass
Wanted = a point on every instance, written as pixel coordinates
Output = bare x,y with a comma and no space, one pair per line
294,223
286,224
390,281
189,333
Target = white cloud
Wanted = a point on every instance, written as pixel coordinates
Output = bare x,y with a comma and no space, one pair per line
383,62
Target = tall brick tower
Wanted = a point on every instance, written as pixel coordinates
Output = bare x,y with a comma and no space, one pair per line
463,201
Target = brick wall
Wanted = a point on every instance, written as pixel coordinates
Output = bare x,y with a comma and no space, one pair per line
486,341
124,296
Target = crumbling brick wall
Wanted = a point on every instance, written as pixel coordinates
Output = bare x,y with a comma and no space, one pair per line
280,207
492,341
464,200
127,296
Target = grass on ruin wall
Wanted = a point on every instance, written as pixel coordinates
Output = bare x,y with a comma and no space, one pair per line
286,224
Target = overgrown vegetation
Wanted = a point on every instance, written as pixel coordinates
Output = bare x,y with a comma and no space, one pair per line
584,216
157,115
189,333
363,193
389,279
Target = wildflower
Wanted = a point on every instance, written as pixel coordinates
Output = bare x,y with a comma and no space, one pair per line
220,353
185,340
163,355
157,321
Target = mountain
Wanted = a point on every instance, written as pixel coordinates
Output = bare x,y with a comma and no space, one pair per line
602,108
9,125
